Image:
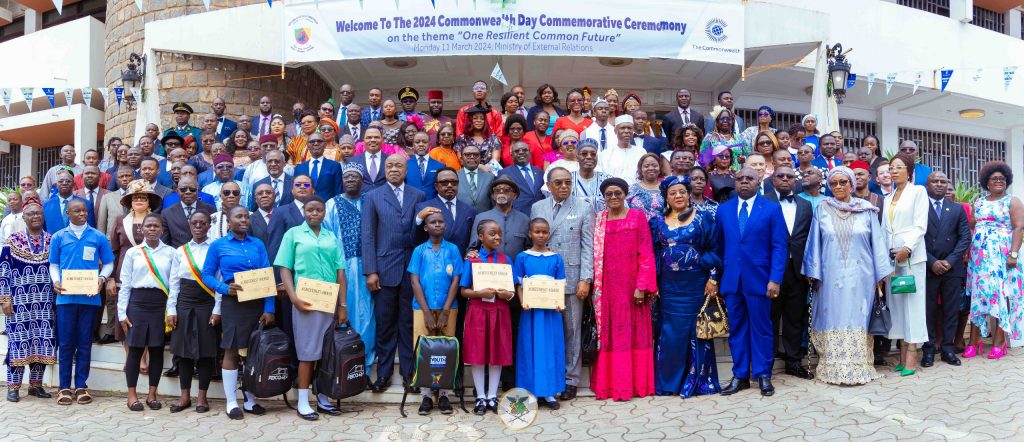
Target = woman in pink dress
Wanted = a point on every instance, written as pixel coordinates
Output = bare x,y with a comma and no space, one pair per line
624,367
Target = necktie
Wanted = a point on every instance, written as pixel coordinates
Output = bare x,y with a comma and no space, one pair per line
423,168
472,182
92,197
787,197
277,191
451,208
744,216
64,210
938,209
554,213
527,175
686,116
604,139
355,132
188,212
373,167
376,115
398,195
263,126
316,170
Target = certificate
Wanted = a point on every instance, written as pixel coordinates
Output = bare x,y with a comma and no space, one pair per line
544,293
492,276
256,284
80,282
322,295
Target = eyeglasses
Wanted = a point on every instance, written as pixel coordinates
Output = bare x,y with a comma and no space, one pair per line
470,155
303,185
254,148
231,193
172,144
187,189
785,176
327,109
726,119
140,197
224,167
614,194
448,182
28,185
724,155
560,183
479,88
570,143
839,183
764,114
997,179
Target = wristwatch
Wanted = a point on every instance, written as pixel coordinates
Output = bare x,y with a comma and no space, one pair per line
1013,255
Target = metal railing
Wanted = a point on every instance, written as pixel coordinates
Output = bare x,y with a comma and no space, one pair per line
48,157
959,156
853,131
939,7
989,19
10,167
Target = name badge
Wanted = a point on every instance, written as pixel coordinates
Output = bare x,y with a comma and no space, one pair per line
88,253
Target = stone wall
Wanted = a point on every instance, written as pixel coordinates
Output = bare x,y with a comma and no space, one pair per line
194,79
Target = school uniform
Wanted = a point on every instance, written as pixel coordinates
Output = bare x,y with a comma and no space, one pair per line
540,346
192,302
142,299
488,326
230,255
435,270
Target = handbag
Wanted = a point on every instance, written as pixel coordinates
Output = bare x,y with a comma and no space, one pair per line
902,284
881,319
588,334
712,321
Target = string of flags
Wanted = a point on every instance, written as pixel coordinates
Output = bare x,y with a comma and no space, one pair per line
945,76
28,93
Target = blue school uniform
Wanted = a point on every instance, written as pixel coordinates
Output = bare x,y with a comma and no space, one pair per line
436,270
540,347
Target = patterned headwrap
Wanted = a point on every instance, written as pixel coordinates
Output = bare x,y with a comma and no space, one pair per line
30,201
350,167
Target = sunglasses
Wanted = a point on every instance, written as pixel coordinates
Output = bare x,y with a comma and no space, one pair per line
785,176
839,183
449,182
231,192
726,119
187,189
570,143
479,87
764,143
29,185
327,129
224,167
303,185
327,109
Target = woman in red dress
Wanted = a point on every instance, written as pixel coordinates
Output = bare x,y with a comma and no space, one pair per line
538,139
575,120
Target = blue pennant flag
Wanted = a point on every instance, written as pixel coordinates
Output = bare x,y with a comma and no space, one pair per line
850,81
118,93
48,91
270,3
946,75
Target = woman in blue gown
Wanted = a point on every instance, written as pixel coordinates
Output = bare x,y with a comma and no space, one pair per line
684,246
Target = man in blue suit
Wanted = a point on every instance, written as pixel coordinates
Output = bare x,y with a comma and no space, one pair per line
827,159
650,143
326,174
458,216
166,167
373,112
387,243
529,178
751,279
371,162
422,168
55,208
921,172
225,127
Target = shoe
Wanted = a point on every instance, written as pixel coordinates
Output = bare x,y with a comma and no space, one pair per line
569,393
426,406
154,405
481,407
64,397
175,408
257,410
444,405
236,414
329,410
799,371
554,405
907,372
380,386
105,339
39,392
928,359
879,360
765,383
202,408
82,396
309,417
899,368
492,404
950,358
735,386
136,406
974,350
997,352
172,372
12,396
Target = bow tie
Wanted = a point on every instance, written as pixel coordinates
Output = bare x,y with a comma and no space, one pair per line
787,197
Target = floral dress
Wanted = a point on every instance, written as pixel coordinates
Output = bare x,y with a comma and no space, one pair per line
646,200
995,291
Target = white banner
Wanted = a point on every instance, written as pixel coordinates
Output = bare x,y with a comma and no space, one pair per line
678,29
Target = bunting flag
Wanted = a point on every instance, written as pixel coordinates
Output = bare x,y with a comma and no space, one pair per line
5,93
138,4
206,3
890,79
69,96
498,75
118,94
87,96
271,3
851,81
946,75
871,81
1008,76
105,92
27,93
59,4
137,93
48,91
917,82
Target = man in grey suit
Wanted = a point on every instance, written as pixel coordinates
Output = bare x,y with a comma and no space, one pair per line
473,182
571,222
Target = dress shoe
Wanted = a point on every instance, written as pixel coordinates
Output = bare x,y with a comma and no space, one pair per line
569,393
950,358
39,392
236,414
492,404
554,405
799,371
481,407
12,396
444,405
380,386
179,408
202,408
257,410
172,372
735,386
426,406
105,339
329,410
928,359
767,389
309,417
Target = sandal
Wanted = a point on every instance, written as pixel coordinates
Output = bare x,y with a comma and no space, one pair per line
64,397
82,396
136,406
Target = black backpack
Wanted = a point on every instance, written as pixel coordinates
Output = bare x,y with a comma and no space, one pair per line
341,372
268,369
437,366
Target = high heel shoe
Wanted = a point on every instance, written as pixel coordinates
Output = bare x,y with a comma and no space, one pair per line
997,352
907,372
898,368
974,350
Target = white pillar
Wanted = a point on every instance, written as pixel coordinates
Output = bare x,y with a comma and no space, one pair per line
28,160
87,120
888,129
1013,24
961,10
33,21
1015,158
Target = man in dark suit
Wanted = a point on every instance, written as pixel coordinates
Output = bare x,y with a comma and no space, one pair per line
387,243
528,177
175,218
148,170
373,112
260,217
372,160
165,174
55,209
946,241
325,173
789,310
422,168
91,191
681,116
473,182
458,216
650,143
225,127
278,180
352,125
827,159
753,273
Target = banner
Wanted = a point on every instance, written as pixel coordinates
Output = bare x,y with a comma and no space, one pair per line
343,30
5,94
1008,76
497,74
48,91
119,94
105,92
871,82
890,79
946,75
27,93
69,95
87,96
851,80
917,83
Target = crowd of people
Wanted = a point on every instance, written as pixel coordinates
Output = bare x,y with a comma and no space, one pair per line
647,220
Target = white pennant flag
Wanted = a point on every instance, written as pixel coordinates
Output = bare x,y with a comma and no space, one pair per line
137,93
105,92
498,75
5,93
1008,76
871,81
87,96
69,95
59,4
890,79
917,82
138,4
206,3
976,76
27,92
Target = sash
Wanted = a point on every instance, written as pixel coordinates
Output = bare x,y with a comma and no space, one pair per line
194,270
153,271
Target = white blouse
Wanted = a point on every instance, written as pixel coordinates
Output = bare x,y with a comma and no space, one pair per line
135,273
181,271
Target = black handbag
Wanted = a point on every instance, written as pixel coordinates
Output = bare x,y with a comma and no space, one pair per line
881,319
588,333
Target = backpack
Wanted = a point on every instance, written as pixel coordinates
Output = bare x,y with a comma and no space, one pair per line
341,372
436,366
268,369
